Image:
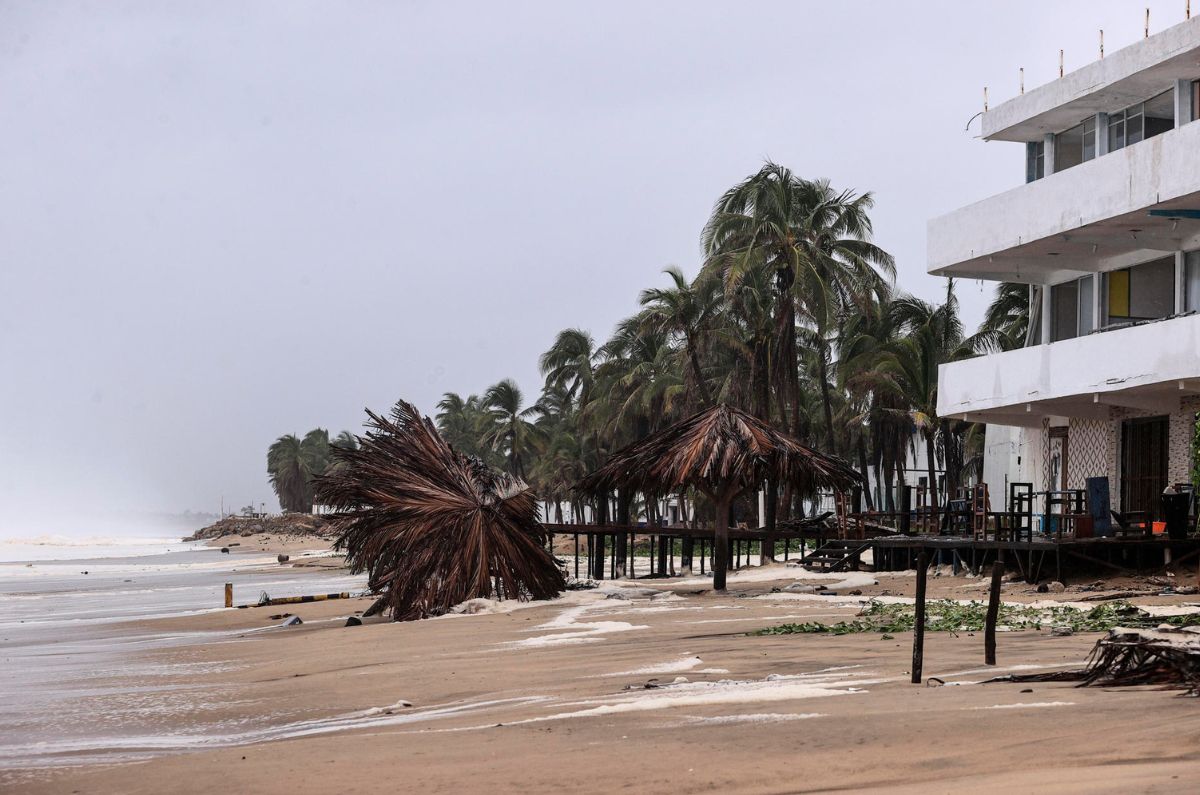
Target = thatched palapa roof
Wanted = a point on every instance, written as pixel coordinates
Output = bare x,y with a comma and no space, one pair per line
432,527
721,451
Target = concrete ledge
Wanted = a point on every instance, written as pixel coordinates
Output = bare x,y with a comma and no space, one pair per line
1147,366
1125,76
1133,179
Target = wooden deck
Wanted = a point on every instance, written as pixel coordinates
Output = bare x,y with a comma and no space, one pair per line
1038,559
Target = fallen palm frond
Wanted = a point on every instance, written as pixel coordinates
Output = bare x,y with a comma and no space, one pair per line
715,449
431,527
947,615
1166,656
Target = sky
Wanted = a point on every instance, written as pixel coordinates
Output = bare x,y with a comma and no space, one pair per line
222,222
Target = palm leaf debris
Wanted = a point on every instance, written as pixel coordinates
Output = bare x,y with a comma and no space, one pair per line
1167,656
947,615
431,527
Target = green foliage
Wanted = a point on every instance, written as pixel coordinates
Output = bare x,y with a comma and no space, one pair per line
292,463
949,616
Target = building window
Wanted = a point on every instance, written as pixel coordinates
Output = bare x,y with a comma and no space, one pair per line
1191,282
1035,161
1143,292
1195,100
1144,120
1071,309
1086,285
1076,145
1159,114
1064,311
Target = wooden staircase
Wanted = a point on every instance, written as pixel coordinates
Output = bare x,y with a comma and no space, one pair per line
837,554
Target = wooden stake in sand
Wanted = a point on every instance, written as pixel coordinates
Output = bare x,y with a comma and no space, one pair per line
229,594
919,622
993,611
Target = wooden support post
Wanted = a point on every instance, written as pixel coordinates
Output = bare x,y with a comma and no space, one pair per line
993,611
597,562
919,622
229,594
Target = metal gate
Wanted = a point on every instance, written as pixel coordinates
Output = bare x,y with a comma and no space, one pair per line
1144,444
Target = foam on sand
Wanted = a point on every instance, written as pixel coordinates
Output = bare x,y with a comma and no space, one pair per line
567,629
1030,705
751,717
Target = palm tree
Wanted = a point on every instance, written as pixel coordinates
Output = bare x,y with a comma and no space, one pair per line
930,336
685,310
817,242
292,463
1006,323
570,363
511,433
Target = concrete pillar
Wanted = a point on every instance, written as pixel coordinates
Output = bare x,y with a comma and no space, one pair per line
1049,140
1101,134
1046,314
1180,282
1097,286
1183,102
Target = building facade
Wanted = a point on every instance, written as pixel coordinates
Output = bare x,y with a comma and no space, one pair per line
1106,233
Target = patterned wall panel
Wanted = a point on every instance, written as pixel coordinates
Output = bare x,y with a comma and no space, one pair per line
1087,451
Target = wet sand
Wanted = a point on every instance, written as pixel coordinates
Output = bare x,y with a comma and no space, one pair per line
552,697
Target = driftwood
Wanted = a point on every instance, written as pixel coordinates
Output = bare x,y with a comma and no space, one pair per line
1168,656
1104,597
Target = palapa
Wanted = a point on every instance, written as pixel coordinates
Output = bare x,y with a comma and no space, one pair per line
723,452
432,527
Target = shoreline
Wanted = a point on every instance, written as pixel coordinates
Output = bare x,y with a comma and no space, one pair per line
512,695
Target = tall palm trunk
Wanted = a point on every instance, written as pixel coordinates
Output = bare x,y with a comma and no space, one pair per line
826,396
931,463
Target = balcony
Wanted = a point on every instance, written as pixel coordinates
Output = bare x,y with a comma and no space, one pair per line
1148,367
1089,218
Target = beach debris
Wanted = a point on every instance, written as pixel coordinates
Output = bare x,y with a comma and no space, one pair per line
947,615
617,595
283,558
799,587
225,550
354,621
265,600
1061,631
294,621
280,616
855,592
1027,690
1168,656
934,681
388,710
1057,587
432,527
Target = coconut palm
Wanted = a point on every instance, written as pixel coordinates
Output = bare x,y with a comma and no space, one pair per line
511,433
292,463
817,242
685,310
1006,323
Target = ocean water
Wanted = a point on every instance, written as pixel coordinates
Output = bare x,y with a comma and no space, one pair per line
66,640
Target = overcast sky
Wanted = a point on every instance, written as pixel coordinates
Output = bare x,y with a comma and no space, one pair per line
225,221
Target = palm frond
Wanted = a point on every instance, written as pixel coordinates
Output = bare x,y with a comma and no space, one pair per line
431,527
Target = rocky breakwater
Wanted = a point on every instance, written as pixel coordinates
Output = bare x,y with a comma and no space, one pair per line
284,525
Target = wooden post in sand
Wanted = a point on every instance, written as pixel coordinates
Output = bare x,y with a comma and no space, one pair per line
993,611
229,594
919,618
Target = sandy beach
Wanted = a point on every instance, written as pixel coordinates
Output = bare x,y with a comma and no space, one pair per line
633,685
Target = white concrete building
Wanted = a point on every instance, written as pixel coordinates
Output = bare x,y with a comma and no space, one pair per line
1106,231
